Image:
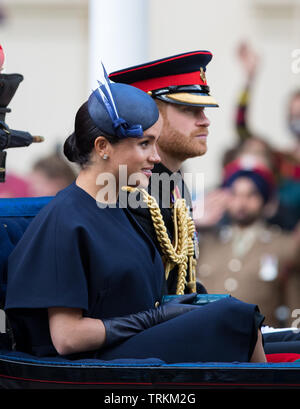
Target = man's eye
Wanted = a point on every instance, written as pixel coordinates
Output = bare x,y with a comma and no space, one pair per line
187,109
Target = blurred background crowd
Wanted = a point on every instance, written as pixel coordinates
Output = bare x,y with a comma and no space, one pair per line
249,229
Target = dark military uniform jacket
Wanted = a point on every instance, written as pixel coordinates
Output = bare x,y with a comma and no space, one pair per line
165,194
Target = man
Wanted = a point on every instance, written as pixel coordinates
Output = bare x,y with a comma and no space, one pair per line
50,174
249,259
286,162
178,85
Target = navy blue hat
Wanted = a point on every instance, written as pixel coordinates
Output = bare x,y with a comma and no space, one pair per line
179,79
121,110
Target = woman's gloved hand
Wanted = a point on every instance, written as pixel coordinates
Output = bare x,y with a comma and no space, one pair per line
121,328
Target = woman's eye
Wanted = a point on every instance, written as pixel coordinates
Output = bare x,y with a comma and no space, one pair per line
144,143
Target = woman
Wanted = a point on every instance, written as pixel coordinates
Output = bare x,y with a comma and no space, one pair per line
86,280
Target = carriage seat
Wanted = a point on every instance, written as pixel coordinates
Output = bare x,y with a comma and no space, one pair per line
15,216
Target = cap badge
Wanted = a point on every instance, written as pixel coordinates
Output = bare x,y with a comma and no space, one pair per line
202,74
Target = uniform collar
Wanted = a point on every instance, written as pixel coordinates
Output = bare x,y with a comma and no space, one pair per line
161,168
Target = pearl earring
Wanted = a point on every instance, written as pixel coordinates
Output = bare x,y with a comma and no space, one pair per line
105,156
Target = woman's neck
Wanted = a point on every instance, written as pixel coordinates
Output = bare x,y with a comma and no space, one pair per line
100,188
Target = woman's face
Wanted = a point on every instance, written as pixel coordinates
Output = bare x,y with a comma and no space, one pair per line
132,159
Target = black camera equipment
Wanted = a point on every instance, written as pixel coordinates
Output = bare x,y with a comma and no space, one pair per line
10,138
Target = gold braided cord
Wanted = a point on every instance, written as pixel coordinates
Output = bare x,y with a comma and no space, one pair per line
182,252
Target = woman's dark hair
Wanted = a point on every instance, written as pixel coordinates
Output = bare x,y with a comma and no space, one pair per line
79,145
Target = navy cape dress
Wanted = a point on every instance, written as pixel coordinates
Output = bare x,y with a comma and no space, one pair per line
77,255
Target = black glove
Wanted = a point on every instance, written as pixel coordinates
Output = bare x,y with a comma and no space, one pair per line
121,328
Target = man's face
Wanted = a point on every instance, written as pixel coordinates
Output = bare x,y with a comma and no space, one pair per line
294,116
246,203
295,107
185,131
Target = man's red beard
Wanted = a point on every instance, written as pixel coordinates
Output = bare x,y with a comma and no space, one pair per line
180,145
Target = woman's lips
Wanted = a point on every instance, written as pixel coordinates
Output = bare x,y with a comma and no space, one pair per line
147,172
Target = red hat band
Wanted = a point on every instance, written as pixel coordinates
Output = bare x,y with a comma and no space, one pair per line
151,84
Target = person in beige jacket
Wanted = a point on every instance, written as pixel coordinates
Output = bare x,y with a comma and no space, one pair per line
247,258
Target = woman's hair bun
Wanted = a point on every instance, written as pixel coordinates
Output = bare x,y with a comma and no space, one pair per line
70,148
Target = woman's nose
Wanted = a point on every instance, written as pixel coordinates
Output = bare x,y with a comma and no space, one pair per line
154,158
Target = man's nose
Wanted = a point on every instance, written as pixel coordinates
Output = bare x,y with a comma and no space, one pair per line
202,120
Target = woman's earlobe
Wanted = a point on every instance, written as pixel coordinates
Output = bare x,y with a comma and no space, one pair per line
100,146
